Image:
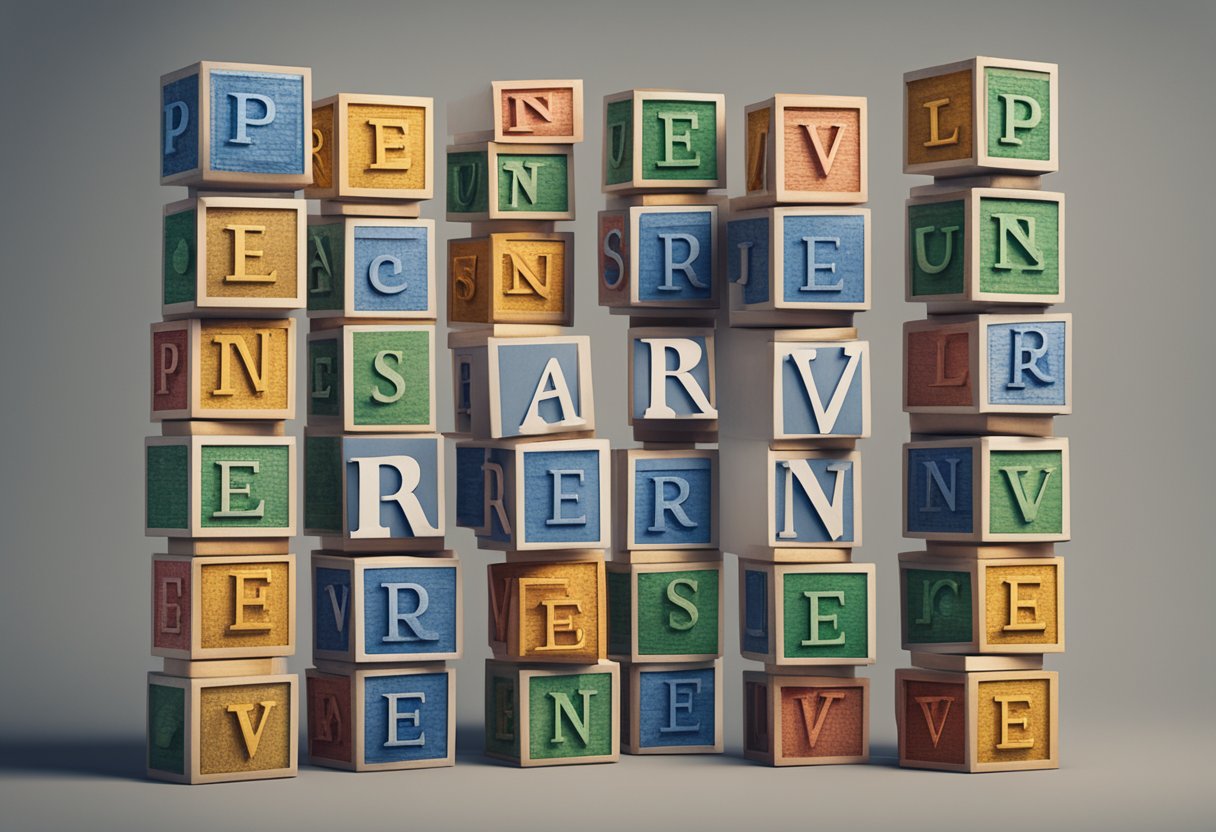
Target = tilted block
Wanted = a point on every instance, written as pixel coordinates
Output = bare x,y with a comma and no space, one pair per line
664,140
223,607
665,612
672,388
236,126
535,495
665,500
381,718
220,729
805,720
227,255
220,486
660,257
982,115
987,490
372,147
538,112
224,369
986,721
373,377
548,611
538,716
492,181
672,708
807,614
371,267
981,247
524,277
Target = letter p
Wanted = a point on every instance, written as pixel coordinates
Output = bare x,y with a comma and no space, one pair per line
242,120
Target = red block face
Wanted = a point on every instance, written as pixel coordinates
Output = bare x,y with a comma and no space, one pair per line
823,721
822,149
935,722
170,370
171,604
330,730
937,367
613,258
548,112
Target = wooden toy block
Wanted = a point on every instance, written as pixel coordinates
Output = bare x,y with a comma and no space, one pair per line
807,614
372,147
388,608
988,551
215,730
373,377
660,258
989,180
535,495
371,267
232,255
798,266
232,546
220,486
368,493
493,181
522,277
665,612
545,716
217,668
999,489
1001,606
548,611
664,140
982,115
667,500
381,718
978,248
972,664
223,607
805,720
222,427
672,391
519,387
538,112
672,708
806,148
985,721
224,369
235,125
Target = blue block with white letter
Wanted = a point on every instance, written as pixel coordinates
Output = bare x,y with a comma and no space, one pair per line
672,383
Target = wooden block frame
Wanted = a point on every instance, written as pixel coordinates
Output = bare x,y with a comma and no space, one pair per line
956,663
338,131
632,702
488,276
344,271
456,206
501,92
624,490
630,574
638,182
762,703
509,626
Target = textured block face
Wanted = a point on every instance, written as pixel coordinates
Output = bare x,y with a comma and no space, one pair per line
180,116
1025,499
524,277
822,389
406,718
1028,363
938,606
940,490
825,615
1017,109
677,709
672,499
502,715
814,498
1022,606
1019,246
672,377
571,716
675,255
504,181
542,385
940,118
933,724
371,268
548,612
677,612
1014,721
664,140
562,495
376,377
823,722
533,183
823,150
536,111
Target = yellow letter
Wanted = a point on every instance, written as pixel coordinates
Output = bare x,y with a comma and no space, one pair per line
1007,720
385,143
934,139
240,254
242,602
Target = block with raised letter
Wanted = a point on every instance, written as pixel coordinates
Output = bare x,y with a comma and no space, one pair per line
493,181
371,267
664,140
1006,720
999,489
523,277
220,486
538,112
219,729
976,248
372,147
665,612
534,495
224,607
373,377
547,716
805,720
672,708
660,257
369,493
549,611
228,255
982,115
388,608
224,369
235,125
666,500
672,388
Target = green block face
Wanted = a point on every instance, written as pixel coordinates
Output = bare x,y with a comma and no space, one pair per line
468,183
831,622
181,258
619,163
167,729
391,378
324,375
323,483
1019,246
678,612
533,182
937,255
168,487
1026,492
267,501
502,725
570,716
620,613
938,606
1010,93
665,154
326,253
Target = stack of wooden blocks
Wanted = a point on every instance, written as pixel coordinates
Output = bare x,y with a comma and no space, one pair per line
221,480
985,481
799,268
658,255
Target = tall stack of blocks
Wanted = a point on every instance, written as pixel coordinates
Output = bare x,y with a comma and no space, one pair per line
221,479
658,254
986,482
798,265
386,593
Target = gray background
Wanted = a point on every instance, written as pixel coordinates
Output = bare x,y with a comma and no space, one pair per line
80,235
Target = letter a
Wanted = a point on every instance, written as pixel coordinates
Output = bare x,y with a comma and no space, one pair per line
552,385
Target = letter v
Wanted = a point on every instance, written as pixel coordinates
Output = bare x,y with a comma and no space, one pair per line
339,607
825,162
825,418
928,704
1029,509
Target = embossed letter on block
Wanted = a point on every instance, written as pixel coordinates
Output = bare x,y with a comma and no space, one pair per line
672,393
524,277
548,612
664,140
372,147
365,267
795,720
672,708
660,257
538,112
492,181
666,612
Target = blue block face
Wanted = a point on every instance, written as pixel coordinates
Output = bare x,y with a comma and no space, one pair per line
676,708
257,122
939,490
179,125
473,466
673,501
838,390
390,264
755,612
675,255
1026,363
561,496
393,505
521,369
747,243
824,259
811,480
405,718
331,609
681,381
409,612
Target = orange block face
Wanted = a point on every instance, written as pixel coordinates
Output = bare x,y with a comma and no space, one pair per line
934,722
940,118
937,369
796,720
548,611
529,112
823,149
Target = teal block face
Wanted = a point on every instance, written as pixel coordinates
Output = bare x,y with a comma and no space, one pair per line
937,606
374,377
257,121
168,487
1018,106
167,729
677,612
826,615
679,140
246,486
570,716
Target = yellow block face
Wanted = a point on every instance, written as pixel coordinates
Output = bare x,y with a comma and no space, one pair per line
955,134
323,147
245,728
386,146
757,147
1021,604
252,253
246,604
559,610
243,365
531,277
1017,716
